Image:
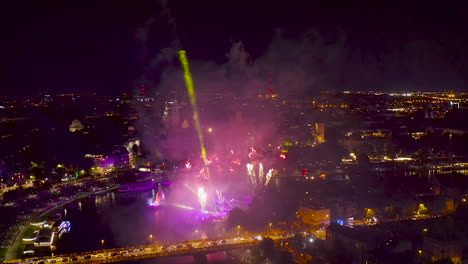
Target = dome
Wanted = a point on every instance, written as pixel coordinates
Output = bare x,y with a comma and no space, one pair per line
76,126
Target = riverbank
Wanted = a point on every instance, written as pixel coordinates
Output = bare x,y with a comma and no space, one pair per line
13,250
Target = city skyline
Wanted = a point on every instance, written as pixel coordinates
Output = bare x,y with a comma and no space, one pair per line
234,132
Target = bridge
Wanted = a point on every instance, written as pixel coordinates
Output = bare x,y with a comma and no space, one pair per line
194,247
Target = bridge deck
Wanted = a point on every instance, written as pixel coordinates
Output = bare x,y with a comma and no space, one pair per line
154,251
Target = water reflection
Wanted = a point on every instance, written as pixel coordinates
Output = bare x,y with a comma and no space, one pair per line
124,219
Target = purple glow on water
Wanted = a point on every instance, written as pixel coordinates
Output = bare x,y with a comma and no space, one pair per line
127,217
158,199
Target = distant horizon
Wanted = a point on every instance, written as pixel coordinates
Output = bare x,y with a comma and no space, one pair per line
136,93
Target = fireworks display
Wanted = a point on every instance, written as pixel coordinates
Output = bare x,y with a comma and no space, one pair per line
158,199
252,152
202,198
228,165
260,178
251,173
220,196
235,176
268,176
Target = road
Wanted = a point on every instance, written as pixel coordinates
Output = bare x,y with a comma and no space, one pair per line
155,250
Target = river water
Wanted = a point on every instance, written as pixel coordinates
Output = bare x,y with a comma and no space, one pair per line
125,219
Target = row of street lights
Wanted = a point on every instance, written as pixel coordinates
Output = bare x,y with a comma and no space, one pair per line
150,237
103,241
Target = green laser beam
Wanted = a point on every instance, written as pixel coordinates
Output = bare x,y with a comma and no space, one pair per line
193,100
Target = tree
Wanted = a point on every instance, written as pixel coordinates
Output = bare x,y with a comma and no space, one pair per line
286,257
421,154
14,195
236,217
70,190
338,254
444,261
37,171
421,209
45,186
37,183
370,213
126,176
59,172
267,247
391,212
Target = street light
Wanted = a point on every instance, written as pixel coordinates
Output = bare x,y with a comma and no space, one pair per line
102,244
270,224
420,254
238,229
151,239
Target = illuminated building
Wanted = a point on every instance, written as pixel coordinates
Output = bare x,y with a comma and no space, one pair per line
28,249
76,126
134,150
319,132
357,242
47,99
435,249
454,105
451,132
106,163
372,142
13,177
45,237
315,217
171,116
418,135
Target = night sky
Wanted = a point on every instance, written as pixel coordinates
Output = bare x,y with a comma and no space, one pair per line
106,46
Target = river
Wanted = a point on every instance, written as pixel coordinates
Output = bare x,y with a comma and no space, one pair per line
124,219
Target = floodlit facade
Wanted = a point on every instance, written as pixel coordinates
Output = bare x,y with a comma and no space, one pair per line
315,217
